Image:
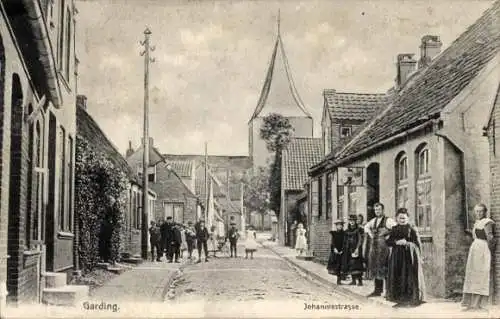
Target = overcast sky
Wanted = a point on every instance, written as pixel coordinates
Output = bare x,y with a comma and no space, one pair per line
212,56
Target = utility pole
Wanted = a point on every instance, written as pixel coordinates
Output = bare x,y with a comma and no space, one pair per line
206,183
145,159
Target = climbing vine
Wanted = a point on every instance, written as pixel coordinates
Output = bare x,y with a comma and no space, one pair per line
100,199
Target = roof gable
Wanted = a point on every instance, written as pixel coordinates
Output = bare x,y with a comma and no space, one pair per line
182,168
300,154
432,88
353,106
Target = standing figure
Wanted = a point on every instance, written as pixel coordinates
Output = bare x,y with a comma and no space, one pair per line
233,235
161,227
293,233
301,241
201,239
212,241
168,235
364,244
336,251
154,241
250,242
190,239
176,242
378,230
183,239
353,248
478,283
405,276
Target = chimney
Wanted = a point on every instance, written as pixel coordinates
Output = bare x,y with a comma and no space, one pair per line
150,142
429,49
81,101
130,150
405,67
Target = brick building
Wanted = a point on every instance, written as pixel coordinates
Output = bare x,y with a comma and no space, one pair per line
37,132
171,181
493,127
426,151
88,129
300,154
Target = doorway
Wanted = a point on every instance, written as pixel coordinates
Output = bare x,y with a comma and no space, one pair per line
372,188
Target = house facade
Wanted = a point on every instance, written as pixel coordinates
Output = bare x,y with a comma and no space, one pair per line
426,151
90,131
171,181
37,134
299,155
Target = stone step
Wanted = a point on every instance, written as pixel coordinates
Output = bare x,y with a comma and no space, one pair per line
116,270
55,279
133,260
103,265
70,295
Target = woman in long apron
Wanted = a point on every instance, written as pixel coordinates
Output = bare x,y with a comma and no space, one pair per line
478,281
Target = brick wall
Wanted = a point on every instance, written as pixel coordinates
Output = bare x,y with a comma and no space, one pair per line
494,144
320,238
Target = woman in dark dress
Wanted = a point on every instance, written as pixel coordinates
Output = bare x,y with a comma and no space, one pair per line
336,251
405,280
353,257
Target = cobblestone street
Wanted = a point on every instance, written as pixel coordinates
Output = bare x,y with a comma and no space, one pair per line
266,277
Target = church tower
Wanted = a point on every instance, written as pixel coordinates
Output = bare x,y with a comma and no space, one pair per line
278,95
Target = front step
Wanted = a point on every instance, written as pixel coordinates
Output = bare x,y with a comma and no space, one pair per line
116,270
55,279
133,260
70,295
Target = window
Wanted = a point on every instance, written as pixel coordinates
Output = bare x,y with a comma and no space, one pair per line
40,180
67,57
345,131
328,196
340,202
31,166
423,216
314,198
174,210
70,184
60,47
62,179
402,181
152,174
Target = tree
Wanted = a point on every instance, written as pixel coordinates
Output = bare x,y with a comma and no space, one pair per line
255,197
276,131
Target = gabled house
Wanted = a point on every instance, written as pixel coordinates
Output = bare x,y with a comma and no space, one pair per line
88,129
300,154
171,181
425,151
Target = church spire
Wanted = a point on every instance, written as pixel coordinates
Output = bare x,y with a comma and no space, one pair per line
278,94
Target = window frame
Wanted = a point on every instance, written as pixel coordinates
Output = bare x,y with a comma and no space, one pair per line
329,208
423,187
174,205
401,181
62,179
347,127
320,196
340,201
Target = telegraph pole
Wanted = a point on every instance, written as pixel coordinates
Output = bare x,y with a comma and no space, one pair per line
206,184
145,159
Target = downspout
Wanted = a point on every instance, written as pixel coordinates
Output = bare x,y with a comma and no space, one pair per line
37,22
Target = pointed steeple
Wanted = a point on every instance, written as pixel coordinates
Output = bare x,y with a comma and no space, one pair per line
278,94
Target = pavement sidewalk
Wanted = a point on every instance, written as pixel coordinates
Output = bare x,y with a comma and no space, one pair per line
432,307
148,282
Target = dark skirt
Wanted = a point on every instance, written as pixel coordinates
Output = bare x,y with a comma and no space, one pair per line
405,282
335,263
356,266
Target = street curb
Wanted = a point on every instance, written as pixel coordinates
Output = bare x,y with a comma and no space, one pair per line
341,290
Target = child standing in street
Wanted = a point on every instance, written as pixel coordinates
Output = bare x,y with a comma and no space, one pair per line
336,250
250,243
301,242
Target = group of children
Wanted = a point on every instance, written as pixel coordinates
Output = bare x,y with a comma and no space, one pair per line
346,256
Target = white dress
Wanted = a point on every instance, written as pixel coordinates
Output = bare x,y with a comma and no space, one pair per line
250,243
301,242
212,242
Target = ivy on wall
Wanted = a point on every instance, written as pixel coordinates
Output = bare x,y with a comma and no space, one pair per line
100,199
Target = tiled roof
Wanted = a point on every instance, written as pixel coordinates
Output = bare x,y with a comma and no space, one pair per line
432,88
300,154
173,188
182,168
353,106
200,183
87,128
